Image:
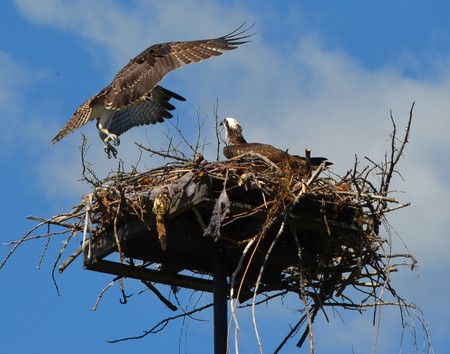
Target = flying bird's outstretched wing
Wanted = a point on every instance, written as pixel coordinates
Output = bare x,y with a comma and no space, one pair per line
133,97
149,67
81,116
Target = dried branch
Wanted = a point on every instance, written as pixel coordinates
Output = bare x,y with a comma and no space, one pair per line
171,154
162,324
217,128
160,296
86,167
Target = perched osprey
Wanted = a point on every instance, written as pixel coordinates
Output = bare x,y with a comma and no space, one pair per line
237,145
133,98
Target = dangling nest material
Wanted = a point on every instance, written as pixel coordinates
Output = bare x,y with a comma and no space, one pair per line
284,231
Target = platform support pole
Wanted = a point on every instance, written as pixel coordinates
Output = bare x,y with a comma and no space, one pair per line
220,292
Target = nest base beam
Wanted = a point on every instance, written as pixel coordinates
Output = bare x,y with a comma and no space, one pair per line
127,271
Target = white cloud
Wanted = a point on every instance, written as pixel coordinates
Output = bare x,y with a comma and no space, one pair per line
126,30
13,76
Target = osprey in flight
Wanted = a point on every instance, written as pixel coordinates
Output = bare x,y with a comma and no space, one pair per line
237,145
134,97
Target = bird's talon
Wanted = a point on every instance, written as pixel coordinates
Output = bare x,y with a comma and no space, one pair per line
110,151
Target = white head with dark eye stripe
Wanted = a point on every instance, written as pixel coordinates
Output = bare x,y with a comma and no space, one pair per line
233,131
232,123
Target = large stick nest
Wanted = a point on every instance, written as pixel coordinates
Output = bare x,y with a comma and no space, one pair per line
285,231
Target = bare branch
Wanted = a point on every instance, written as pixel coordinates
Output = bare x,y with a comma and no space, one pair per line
162,324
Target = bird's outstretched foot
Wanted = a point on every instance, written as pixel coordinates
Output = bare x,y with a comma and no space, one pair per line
113,138
110,150
109,138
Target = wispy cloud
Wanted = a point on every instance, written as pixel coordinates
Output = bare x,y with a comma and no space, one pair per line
13,77
19,132
124,30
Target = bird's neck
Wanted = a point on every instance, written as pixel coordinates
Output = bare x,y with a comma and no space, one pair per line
235,138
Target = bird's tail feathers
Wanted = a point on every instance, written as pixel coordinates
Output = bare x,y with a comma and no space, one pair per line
319,160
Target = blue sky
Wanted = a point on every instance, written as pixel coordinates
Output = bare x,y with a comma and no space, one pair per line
319,74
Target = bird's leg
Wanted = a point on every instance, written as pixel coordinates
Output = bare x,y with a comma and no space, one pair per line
103,124
107,136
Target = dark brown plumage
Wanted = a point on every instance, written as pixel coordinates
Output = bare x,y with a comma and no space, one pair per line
237,145
133,97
